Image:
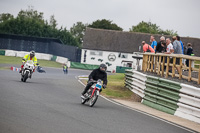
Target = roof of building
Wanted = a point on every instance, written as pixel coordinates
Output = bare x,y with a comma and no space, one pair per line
119,41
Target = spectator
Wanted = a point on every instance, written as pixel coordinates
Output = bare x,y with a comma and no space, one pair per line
147,48
164,47
169,50
159,47
179,39
154,43
169,46
177,50
189,52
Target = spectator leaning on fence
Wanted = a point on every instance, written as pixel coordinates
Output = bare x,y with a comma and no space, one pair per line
147,48
159,47
153,42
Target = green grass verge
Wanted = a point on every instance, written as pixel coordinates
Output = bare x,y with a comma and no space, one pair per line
115,88
196,62
18,61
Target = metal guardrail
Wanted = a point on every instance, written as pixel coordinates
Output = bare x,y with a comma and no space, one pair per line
165,95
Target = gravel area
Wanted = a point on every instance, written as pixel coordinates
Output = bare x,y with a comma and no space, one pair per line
184,81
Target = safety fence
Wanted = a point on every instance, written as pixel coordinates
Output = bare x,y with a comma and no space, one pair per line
166,64
168,96
41,56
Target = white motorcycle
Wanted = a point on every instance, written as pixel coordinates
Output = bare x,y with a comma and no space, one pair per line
27,70
92,94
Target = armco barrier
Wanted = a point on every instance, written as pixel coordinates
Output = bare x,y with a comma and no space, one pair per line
38,55
10,53
61,60
168,96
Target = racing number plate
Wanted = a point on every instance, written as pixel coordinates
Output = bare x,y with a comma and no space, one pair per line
98,86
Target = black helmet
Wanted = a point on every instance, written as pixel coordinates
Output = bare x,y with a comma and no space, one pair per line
104,67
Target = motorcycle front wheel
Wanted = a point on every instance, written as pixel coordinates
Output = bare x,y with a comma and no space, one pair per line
93,99
25,77
83,101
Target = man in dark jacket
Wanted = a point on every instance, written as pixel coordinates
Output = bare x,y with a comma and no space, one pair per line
159,47
96,74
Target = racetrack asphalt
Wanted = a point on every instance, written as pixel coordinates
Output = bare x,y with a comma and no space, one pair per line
50,103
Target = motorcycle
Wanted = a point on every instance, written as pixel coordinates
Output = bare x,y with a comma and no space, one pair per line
92,94
27,70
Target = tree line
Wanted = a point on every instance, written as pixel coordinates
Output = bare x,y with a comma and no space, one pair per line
32,23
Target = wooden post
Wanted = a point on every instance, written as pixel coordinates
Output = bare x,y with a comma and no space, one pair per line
181,64
152,63
159,65
144,63
149,62
163,66
173,67
167,68
156,61
199,76
190,71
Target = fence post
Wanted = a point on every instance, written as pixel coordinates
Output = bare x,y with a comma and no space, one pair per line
158,73
155,66
181,64
199,77
173,67
152,63
163,66
190,71
167,67
144,65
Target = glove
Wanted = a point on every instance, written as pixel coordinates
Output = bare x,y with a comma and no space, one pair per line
104,86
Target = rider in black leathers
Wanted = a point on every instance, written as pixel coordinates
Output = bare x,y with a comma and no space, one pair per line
96,74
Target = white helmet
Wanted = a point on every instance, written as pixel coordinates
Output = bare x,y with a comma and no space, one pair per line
32,53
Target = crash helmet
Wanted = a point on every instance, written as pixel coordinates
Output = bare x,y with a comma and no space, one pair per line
103,67
32,53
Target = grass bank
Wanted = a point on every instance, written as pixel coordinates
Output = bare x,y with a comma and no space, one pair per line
115,88
18,61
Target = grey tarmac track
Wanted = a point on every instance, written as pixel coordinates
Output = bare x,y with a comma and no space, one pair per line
50,103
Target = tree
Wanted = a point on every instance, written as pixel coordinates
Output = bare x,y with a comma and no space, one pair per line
78,31
53,22
5,16
31,23
148,27
105,24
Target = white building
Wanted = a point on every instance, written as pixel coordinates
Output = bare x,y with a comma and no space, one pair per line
113,48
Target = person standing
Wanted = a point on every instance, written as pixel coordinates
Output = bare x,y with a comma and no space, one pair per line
147,48
179,39
177,50
154,43
169,46
159,47
189,52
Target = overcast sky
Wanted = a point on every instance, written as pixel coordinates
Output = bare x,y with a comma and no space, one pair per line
182,16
